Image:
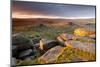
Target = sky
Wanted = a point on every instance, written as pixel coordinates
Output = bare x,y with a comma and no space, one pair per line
22,9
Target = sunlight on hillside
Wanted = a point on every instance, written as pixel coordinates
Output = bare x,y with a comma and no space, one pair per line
82,32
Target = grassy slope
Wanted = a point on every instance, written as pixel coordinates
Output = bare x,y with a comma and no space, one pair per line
48,32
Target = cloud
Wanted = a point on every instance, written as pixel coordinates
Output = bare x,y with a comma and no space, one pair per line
36,9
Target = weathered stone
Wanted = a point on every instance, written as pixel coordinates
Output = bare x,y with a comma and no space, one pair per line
51,55
19,39
86,46
92,36
28,59
68,36
20,43
49,44
25,53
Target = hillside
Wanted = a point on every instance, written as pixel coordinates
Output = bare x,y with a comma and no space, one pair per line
32,21
42,40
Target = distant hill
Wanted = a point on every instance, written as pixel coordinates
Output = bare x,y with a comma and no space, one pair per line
49,21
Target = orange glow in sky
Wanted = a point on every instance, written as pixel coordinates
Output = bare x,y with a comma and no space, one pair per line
19,15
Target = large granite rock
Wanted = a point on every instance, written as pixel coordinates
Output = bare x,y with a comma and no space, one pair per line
20,44
19,39
85,46
51,55
48,44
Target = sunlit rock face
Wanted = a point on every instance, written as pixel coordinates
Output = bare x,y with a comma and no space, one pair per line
51,55
83,32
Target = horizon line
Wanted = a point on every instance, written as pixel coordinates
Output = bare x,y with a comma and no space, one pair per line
49,17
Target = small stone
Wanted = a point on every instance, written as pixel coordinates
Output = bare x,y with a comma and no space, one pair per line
25,53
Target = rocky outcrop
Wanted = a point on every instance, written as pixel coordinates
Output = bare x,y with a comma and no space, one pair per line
24,47
21,44
88,47
51,55
48,44
47,51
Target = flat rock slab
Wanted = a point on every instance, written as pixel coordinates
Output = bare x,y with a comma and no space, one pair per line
88,47
51,55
